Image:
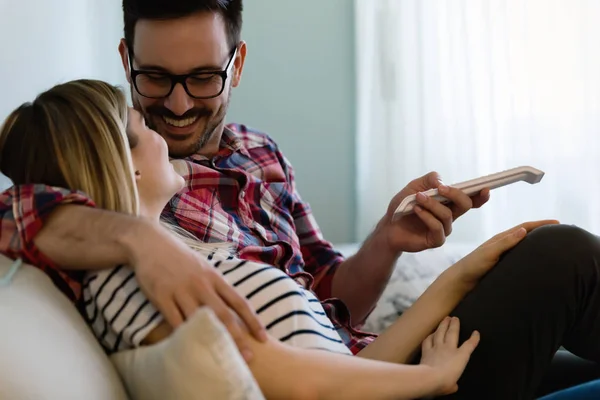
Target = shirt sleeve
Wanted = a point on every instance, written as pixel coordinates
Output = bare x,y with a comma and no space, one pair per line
23,210
320,258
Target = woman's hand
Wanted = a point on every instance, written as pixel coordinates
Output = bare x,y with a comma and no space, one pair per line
441,352
476,264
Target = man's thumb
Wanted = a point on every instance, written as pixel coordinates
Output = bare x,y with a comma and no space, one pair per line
432,180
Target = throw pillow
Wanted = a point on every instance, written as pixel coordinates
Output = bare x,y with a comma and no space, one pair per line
198,361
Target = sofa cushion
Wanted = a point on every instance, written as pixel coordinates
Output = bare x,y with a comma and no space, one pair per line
46,349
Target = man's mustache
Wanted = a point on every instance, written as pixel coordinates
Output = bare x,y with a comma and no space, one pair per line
192,113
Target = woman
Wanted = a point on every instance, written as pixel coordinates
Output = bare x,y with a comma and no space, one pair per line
79,136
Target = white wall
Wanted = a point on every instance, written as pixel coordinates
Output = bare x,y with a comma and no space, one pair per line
45,42
298,86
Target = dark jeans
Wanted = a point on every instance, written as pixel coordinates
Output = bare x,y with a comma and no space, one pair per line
587,391
544,293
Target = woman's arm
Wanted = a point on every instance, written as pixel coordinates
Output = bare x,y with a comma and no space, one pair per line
288,373
400,341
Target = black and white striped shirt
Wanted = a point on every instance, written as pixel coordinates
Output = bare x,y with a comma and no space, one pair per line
121,316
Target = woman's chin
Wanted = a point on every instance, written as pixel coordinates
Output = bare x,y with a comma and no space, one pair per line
179,166
181,183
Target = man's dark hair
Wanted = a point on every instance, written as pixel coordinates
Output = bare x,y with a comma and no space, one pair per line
230,10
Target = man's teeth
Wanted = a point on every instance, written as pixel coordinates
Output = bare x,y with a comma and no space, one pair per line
180,123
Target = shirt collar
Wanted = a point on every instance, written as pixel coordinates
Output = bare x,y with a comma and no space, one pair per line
230,143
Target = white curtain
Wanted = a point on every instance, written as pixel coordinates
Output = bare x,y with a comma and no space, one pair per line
472,87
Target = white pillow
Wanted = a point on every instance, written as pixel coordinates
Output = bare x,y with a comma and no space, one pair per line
47,352
198,361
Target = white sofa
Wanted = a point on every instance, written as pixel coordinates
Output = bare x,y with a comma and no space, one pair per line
47,351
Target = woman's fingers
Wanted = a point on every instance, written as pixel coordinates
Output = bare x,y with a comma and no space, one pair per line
439,337
427,343
470,345
531,225
453,332
528,226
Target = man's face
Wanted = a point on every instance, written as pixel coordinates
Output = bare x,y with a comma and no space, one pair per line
194,44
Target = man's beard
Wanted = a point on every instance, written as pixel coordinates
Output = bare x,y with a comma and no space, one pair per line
210,130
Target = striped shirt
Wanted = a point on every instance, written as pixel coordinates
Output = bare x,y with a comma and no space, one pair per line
246,195
121,316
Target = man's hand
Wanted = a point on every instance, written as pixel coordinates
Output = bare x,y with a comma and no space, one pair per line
432,221
177,281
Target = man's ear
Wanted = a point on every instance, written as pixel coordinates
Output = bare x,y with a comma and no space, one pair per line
238,64
123,51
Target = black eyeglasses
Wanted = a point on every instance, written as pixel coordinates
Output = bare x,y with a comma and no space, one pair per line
199,85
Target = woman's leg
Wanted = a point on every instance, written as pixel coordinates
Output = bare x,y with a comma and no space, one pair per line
542,294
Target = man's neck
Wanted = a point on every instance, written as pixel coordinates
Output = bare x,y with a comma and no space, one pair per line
212,147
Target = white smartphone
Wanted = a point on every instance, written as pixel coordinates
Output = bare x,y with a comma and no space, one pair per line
526,174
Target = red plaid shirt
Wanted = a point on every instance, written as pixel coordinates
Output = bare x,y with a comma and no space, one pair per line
245,195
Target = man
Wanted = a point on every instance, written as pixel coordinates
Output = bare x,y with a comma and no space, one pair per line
182,59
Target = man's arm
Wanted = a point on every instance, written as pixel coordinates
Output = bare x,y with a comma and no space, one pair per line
361,279
23,211
41,225
357,281
81,238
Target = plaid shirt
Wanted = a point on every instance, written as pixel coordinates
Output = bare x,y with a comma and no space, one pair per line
245,195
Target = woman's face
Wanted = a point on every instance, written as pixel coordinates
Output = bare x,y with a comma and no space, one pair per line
156,178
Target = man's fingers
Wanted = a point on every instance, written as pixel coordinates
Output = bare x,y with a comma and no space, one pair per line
460,203
235,329
438,210
243,309
453,332
186,303
435,227
430,181
170,311
440,334
481,198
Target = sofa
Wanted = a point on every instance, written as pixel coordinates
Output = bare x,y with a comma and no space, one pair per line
46,349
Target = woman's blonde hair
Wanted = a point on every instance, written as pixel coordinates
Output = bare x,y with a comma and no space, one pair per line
73,136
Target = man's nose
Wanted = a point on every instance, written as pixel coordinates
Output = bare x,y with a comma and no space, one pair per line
179,102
